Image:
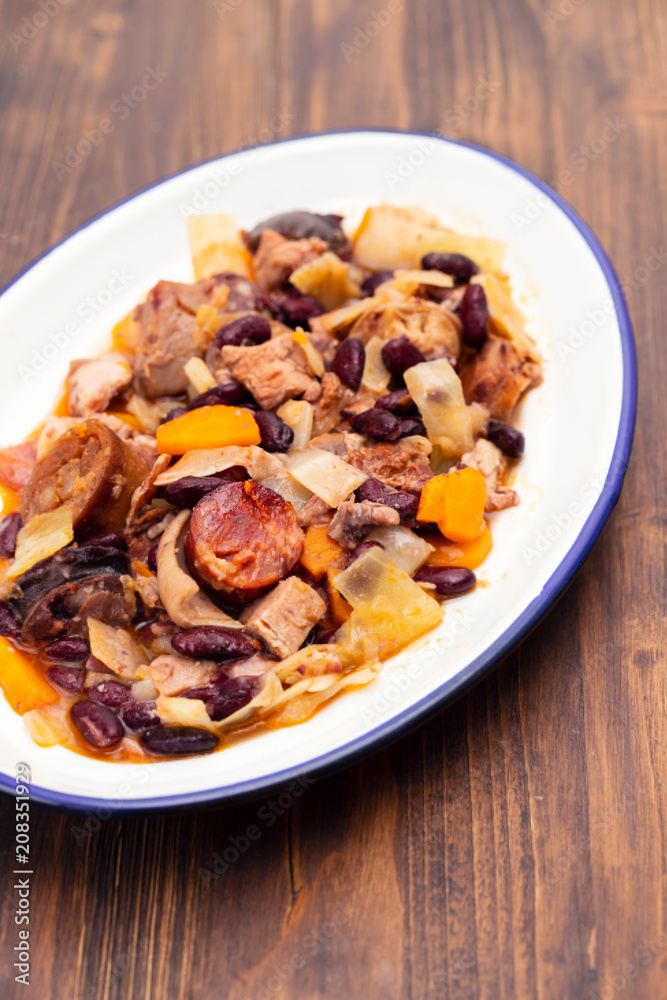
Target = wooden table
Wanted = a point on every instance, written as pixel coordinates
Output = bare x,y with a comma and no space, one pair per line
514,847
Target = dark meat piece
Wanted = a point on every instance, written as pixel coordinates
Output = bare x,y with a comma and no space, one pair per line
244,295
144,533
64,567
301,225
242,539
353,521
402,465
497,377
93,472
65,610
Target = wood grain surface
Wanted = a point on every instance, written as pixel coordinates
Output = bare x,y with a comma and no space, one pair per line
514,847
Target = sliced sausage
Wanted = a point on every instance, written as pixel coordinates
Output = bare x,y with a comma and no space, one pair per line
242,539
91,470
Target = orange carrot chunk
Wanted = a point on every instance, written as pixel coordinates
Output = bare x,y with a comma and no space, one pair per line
467,555
24,686
321,553
207,427
455,501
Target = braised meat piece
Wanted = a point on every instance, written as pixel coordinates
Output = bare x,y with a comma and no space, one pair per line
284,618
272,372
353,521
497,377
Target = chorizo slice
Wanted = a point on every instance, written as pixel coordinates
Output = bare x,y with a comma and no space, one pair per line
243,538
92,471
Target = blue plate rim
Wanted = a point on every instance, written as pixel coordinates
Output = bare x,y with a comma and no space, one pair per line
454,688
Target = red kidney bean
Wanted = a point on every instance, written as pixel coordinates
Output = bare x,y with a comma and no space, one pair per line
151,558
110,693
400,354
73,650
139,715
448,580
327,637
426,528
381,425
106,542
370,284
97,724
412,425
275,434
349,362
10,525
229,394
178,411
407,504
507,438
179,740
399,402
296,309
230,697
460,267
187,492
10,625
68,678
248,329
224,697
364,547
475,317
213,642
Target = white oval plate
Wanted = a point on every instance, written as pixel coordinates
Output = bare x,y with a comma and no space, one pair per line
578,424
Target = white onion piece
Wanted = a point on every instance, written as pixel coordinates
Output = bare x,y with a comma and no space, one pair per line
326,475
289,489
208,461
200,375
42,536
47,725
184,712
391,237
313,356
437,391
116,648
298,414
144,690
407,549
376,378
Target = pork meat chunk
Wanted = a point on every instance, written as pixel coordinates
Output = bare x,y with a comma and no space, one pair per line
277,257
92,384
166,337
353,521
172,674
403,465
335,397
490,461
283,619
273,372
498,377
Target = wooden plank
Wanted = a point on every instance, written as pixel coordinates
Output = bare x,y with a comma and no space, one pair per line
514,847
